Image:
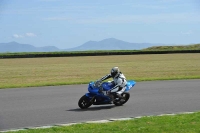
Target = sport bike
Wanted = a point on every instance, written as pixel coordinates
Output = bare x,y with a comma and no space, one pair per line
98,95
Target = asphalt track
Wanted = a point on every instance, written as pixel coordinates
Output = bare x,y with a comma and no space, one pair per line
42,106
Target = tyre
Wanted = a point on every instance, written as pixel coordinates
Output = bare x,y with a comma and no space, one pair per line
84,102
125,98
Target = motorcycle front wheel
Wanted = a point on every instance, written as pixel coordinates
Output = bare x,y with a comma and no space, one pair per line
84,102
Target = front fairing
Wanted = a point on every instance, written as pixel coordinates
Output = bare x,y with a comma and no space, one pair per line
94,92
92,89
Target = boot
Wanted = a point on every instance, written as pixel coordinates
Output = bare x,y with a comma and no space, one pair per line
112,98
119,97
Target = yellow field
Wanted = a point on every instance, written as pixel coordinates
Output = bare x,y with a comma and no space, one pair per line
70,70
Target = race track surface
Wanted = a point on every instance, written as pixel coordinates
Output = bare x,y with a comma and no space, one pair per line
41,106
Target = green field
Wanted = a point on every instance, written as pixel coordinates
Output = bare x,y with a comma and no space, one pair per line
25,72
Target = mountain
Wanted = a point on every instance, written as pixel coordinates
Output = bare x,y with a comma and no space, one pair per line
111,44
17,47
106,44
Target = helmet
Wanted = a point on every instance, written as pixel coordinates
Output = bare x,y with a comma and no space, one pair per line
114,71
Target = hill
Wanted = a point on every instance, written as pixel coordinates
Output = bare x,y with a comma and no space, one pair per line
111,44
17,47
106,44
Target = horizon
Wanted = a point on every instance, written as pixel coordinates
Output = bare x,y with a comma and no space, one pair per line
67,24
153,44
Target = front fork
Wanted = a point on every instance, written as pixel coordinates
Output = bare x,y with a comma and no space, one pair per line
91,97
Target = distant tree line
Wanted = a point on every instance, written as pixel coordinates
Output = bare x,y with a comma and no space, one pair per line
90,53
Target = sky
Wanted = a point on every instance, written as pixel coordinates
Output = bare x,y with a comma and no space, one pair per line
70,23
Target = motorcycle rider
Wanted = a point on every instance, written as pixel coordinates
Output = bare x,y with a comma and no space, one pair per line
119,80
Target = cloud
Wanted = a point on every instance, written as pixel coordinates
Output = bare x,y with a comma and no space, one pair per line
57,18
123,19
29,34
49,0
169,1
154,18
187,33
18,36
142,6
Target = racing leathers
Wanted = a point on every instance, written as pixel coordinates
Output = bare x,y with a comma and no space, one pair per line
119,81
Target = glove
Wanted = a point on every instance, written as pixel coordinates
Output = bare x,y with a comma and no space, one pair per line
100,90
108,92
98,83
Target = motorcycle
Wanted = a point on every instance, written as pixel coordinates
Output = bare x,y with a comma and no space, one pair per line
98,94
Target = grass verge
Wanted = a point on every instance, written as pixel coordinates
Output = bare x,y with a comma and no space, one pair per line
181,123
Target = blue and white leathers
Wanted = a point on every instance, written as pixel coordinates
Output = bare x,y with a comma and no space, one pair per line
119,83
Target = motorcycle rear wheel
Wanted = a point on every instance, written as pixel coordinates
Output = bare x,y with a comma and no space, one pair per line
84,102
125,98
